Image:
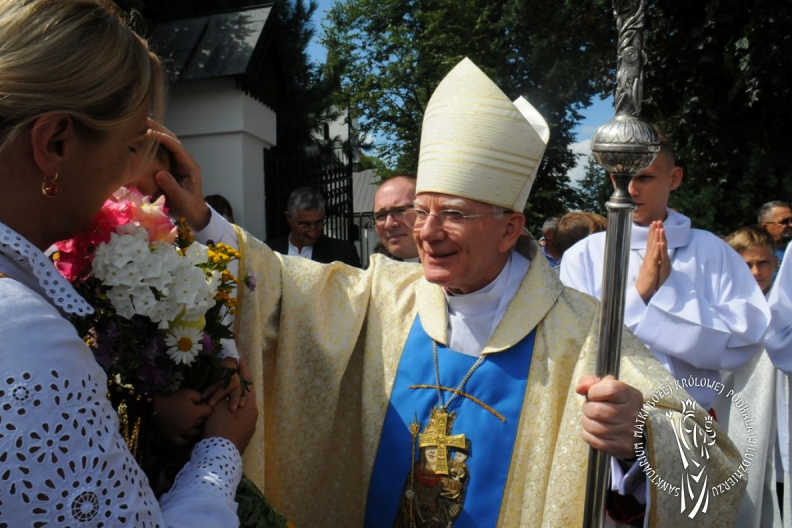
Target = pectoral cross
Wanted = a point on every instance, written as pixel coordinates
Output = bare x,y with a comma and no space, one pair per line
438,434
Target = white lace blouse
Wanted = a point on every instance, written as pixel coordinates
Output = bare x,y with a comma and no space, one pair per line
62,459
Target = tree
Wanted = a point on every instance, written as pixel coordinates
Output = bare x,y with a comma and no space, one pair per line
595,188
717,82
315,100
393,53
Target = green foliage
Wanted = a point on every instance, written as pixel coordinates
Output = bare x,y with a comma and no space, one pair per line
717,83
393,53
595,189
377,165
314,98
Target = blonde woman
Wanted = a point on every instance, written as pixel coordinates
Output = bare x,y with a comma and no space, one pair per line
76,90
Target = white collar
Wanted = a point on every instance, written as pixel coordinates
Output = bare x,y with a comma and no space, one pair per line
677,230
481,300
32,261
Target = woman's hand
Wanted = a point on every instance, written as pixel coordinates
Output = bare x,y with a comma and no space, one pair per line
233,391
238,427
180,416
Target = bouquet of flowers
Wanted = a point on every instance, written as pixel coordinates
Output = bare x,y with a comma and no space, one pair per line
160,303
159,298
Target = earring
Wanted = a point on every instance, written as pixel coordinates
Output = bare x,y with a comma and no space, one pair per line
50,187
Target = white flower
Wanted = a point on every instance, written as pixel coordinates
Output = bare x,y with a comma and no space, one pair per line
197,253
184,343
119,296
144,300
130,246
213,281
128,275
154,280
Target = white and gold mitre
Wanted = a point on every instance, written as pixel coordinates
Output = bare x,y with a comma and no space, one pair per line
477,144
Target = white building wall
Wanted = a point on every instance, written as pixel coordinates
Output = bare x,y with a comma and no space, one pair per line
226,131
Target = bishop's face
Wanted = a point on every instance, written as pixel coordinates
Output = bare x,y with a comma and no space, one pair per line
467,255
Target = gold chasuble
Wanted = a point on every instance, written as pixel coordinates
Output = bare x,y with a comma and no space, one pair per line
324,342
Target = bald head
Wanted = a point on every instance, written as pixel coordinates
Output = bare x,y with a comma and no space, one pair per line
393,196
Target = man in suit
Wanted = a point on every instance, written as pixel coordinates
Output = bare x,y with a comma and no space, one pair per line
306,213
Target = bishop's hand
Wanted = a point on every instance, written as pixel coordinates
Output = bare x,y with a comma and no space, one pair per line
609,414
182,185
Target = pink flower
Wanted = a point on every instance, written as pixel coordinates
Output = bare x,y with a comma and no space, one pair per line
153,217
75,255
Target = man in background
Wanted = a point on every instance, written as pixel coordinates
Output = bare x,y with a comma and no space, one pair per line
306,215
393,197
776,218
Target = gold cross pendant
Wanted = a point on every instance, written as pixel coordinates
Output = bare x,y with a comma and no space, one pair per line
437,433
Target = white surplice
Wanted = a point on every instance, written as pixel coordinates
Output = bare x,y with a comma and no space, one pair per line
753,431
709,315
778,343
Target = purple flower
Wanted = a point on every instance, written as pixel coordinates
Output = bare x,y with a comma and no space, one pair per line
207,346
250,281
151,377
104,345
104,355
150,349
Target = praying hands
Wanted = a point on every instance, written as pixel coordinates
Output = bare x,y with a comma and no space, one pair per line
656,266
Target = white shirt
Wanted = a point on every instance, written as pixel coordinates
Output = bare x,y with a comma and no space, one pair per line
709,315
67,464
305,252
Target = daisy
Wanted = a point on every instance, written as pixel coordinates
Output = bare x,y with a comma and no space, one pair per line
184,343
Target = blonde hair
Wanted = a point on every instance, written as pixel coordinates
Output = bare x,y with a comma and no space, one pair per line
79,57
750,237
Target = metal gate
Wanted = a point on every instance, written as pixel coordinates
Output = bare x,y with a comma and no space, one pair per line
282,175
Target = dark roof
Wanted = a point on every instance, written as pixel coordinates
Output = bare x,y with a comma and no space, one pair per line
237,44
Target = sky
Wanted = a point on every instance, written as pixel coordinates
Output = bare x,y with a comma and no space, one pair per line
593,117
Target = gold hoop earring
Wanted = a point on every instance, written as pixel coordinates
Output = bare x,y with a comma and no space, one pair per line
50,187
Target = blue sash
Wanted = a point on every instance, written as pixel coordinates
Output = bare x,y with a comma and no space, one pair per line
499,382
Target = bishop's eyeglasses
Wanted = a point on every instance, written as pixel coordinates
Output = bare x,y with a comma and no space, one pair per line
783,221
448,218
